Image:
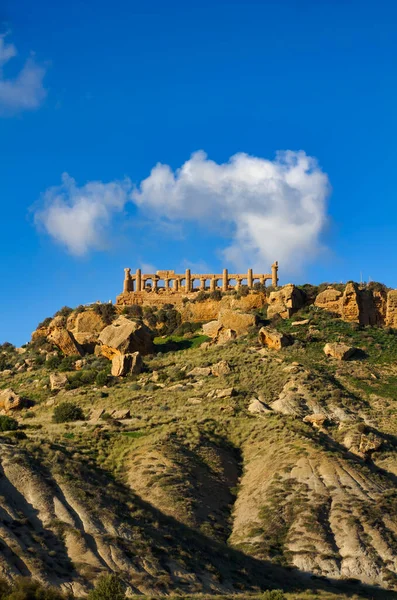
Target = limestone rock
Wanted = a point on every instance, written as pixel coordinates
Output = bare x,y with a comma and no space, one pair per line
200,372
212,328
221,368
127,364
339,351
369,444
317,420
96,414
391,309
79,364
273,339
9,400
40,332
330,299
194,400
298,323
224,336
239,322
57,381
62,338
121,414
258,407
285,302
225,393
124,336
351,303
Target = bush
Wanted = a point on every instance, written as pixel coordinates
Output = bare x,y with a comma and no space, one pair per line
53,362
133,312
108,587
202,296
44,323
188,327
28,589
216,295
65,311
102,378
273,595
106,311
66,412
8,423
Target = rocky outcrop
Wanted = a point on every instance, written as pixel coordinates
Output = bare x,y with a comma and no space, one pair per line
221,368
127,364
391,309
57,381
62,338
285,302
330,299
86,327
124,336
237,321
10,401
271,338
339,351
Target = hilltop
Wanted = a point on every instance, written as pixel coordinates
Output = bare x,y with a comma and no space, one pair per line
213,448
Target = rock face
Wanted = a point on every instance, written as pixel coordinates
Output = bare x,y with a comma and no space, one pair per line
271,338
256,407
62,338
124,336
237,321
57,381
391,309
127,364
339,351
86,327
330,299
9,400
285,302
221,368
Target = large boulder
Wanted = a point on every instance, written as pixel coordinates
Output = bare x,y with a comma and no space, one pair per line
330,299
124,336
62,338
271,338
221,368
339,351
239,322
127,364
86,327
9,400
391,309
58,381
285,302
212,328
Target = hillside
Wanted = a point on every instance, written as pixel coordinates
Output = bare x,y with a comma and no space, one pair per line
229,467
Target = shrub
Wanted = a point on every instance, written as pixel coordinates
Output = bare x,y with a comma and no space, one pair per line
102,378
67,363
7,347
66,412
53,362
133,312
8,423
188,327
106,311
28,589
273,595
202,296
216,295
108,587
65,311
44,323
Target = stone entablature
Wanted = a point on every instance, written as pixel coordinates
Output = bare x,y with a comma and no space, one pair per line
177,283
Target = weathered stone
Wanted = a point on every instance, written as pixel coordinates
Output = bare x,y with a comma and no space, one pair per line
274,339
212,328
121,414
9,400
339,351
317,420
369,444
6,372
124,336
200,372
96,414
391,309
221,368
224,336
257,407
57,381
194,401
62,338
285,302
351,303
237,321
127,364
225,393
330,300
40,332
79,364
298,323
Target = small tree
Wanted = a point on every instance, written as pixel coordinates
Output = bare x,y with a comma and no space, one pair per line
8,423
67,411
108,587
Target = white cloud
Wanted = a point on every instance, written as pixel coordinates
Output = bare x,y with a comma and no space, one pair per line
78,217
271,210
262,210
25,90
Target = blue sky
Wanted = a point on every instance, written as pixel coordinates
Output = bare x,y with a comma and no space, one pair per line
105,91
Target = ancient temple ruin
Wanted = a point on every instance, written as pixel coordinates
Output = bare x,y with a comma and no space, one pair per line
171,285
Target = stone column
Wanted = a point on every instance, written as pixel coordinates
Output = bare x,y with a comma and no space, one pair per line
212,284
250,279
202,284
238,283
138,280
275,274
188,281
176,285
154,286
166,284
128,285
262,280
225,280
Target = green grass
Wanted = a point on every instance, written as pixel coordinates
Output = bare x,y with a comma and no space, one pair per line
174,343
